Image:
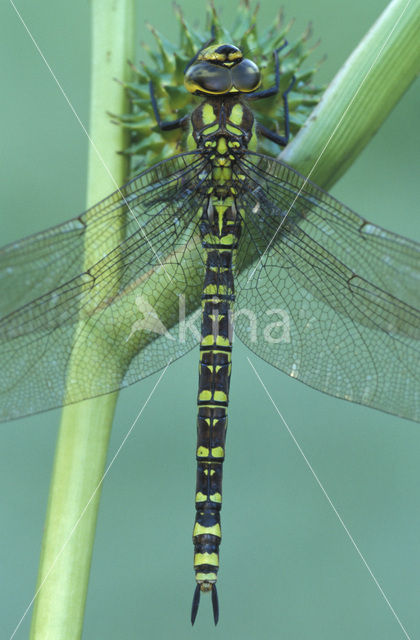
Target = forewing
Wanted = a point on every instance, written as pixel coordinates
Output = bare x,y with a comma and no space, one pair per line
33,266
127,303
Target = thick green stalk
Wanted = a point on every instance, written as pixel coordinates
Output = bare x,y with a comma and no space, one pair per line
360,97
85,427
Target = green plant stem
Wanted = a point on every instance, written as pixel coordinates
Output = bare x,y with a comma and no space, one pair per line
360,97
85,427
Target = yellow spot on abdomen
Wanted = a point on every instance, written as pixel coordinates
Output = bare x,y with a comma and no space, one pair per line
204,395
206,558
202,452
213,531
205,577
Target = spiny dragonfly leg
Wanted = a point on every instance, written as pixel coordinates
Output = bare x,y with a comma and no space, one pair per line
165,125
272,135
267,93
196,601
272,91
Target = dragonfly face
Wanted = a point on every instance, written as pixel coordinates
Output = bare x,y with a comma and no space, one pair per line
222,69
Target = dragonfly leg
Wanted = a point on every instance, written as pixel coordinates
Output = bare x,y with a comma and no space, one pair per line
165,125
282,141
272,91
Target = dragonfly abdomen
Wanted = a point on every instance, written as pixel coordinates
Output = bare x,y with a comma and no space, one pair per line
220,231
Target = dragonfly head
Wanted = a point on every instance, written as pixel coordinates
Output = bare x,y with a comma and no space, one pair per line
222,69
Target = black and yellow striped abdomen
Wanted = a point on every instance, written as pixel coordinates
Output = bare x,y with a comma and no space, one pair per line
222,129
220,229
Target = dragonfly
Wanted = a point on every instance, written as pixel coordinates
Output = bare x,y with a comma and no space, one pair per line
305,283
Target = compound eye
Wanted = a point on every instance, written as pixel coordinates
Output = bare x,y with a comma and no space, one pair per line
208,78
246,76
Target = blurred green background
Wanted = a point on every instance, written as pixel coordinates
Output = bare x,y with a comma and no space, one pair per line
288,569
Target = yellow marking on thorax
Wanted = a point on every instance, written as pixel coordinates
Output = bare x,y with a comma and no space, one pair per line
208,114
222,146
222,174
234,130
252,144
211,129
237,114
191,143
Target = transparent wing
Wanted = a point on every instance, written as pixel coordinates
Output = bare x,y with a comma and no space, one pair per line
146,270
333,300
39,263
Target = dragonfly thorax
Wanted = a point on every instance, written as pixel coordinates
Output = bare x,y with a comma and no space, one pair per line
223,129
223,117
